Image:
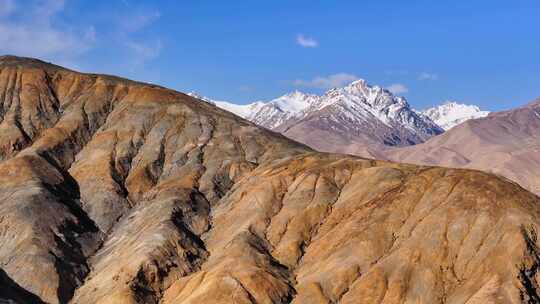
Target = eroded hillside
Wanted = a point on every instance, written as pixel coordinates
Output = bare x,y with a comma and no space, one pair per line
113,191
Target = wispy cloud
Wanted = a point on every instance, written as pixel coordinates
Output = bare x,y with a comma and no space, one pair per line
32,32
7,7
145,50
427,76
396,72
44,29
141,49
138,19
331,81
397,88
245,88
306,42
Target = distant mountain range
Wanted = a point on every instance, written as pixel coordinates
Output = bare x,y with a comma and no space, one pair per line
351,119
370,121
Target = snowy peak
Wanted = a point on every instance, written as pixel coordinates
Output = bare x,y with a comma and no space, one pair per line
363,102
451,113
375,97
362,88
294,102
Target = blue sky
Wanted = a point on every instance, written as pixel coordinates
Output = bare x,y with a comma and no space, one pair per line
480,52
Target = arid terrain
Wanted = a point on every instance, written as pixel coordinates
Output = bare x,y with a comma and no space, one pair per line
505,143
114,191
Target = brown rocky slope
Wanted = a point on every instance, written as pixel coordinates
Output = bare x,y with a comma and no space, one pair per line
113,191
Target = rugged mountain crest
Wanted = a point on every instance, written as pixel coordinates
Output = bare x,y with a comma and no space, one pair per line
113,191
353,116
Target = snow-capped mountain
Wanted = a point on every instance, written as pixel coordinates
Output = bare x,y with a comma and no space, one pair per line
452,113
360,110
352,115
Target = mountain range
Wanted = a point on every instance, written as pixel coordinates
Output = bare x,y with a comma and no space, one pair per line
116,191
505,143
354,118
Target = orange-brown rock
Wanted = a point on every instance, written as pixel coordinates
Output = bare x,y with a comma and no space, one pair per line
113,191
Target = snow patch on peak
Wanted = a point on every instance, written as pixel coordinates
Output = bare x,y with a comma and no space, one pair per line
451,113
241,110
358,82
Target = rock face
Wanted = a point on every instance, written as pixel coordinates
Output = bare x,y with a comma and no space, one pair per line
342,120
505,143
113,191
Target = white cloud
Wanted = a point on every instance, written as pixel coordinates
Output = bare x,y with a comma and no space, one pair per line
33,33
397,88
331,81
428,76
306,42
41,42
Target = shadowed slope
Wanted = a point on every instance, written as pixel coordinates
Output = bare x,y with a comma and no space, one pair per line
82,151
10,292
